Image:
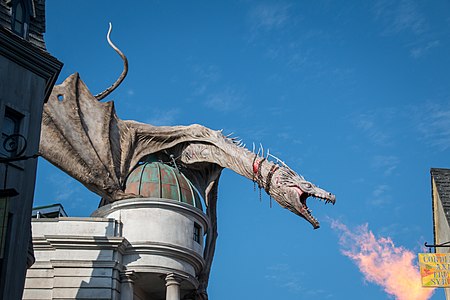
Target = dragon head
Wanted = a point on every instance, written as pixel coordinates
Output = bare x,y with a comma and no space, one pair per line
291,191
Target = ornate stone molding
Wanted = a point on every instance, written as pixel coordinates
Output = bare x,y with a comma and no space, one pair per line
167,250
135,203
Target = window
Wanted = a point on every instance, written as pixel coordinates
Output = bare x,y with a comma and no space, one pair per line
4,220
11,125
4,247
20,17
197,232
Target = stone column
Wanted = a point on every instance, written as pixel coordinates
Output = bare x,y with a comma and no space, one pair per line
127,285
173,287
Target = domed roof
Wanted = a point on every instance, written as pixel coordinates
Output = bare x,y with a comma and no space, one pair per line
157,180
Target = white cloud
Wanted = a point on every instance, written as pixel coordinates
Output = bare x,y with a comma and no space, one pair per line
400,230
269,16
434,124
205,76
289,137
163,118
64,187
213,92
208,73
405,17
387,163
428,123
367,122
380,190
224,101
399,16
283,276
422,50
408,17
380,195
75,198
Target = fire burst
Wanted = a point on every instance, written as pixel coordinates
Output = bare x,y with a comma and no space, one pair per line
382,262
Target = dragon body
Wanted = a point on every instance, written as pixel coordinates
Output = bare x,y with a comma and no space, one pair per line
86,139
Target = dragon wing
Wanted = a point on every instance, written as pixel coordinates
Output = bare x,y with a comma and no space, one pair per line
82,136
86,139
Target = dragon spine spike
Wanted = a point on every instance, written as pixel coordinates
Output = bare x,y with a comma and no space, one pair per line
262,149
253,147
122,76
268,153
281,162
278,160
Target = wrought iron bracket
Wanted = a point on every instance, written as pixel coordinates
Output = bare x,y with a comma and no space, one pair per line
16,144
8,193
5,160
442,245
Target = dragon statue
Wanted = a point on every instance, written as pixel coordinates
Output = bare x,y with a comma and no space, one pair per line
85,138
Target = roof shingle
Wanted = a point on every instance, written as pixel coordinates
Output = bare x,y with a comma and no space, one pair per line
442,179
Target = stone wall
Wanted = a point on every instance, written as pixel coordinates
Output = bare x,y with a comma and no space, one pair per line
142,248
76,258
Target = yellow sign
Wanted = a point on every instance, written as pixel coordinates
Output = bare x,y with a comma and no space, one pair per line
435,269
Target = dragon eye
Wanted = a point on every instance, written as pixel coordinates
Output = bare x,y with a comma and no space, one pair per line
307,185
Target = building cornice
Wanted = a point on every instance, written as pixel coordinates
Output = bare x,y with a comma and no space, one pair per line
52,242
30,57
168,250
135,203
66,263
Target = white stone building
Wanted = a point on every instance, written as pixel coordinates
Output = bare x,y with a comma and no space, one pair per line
140,248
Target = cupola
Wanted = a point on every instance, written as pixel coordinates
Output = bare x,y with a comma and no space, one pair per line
155,179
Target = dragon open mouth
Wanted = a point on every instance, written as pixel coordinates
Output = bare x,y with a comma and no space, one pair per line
306,212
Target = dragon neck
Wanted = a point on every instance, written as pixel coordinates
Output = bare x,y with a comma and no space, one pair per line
225,153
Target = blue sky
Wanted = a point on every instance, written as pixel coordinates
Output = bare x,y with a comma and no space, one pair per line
354,97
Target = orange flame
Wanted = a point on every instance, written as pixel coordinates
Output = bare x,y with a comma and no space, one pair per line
382,262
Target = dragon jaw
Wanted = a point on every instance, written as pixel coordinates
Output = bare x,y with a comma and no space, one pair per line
292,192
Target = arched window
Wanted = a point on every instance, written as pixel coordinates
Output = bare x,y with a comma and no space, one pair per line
20,18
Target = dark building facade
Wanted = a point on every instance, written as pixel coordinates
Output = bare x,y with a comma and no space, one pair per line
27,75
440,188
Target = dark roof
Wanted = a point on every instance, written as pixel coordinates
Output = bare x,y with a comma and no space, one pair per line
49,211
37,20
442,179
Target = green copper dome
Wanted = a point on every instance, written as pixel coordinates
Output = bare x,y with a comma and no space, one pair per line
154,179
